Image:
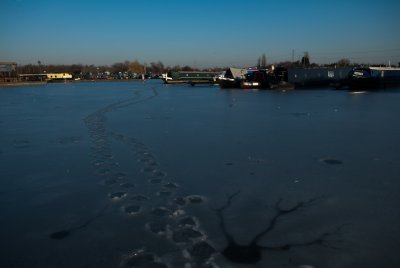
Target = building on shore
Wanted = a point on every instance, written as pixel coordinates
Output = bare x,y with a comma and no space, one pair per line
8,71
49,77
58,76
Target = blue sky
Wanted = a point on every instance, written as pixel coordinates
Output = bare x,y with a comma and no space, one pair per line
204,33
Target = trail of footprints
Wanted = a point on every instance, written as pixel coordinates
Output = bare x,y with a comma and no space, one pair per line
168,219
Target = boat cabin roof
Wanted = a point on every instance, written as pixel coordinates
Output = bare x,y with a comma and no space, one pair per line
385,68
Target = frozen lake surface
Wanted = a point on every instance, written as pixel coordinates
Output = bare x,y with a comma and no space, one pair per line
132,174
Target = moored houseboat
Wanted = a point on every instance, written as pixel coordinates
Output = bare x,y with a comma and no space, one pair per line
373,78
318,77
255,79
273,78
189,77
232,78
279,79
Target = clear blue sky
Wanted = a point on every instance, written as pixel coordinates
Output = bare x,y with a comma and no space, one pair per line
203,33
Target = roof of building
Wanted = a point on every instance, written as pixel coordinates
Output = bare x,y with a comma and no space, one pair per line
238,73
7,66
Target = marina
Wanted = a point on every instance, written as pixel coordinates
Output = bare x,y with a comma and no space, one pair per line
271,77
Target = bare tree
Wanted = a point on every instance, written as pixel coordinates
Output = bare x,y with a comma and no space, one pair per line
343,62
136,67
305,60
187,68
157,67
263,61
120,67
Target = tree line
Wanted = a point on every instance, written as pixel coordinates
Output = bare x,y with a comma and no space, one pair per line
126,68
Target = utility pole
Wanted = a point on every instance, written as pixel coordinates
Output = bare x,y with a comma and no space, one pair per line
292,55
40,69
144,70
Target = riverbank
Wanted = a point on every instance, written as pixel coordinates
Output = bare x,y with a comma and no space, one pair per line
38,83
28,83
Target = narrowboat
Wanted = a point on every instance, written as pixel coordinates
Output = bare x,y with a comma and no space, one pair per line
318,77
189,77
374,78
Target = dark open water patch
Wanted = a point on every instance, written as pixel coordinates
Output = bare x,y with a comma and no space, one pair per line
299,114
62,234
59,235
331,161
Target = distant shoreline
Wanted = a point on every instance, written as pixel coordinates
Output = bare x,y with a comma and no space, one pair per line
16,84
40,83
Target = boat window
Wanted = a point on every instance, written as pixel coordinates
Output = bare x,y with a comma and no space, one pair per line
392,73
361,73
375,73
